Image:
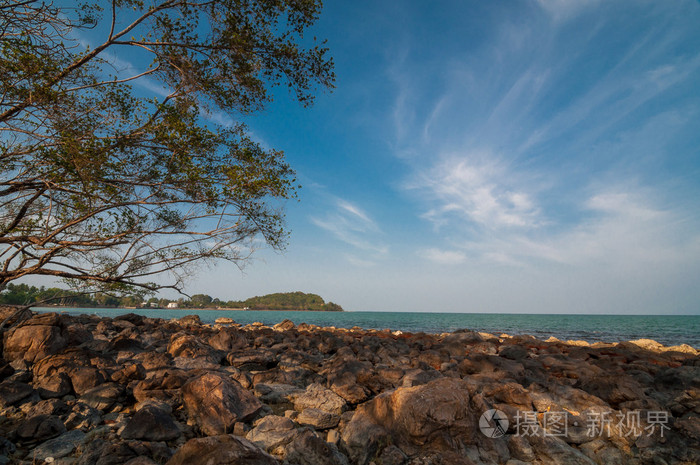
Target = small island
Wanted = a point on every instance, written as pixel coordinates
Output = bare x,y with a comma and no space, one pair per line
286,301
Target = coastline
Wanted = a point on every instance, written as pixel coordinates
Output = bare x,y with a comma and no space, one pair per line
162,391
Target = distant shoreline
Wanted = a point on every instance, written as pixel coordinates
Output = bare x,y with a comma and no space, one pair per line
226,309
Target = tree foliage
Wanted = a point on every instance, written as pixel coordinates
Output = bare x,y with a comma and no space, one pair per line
112,166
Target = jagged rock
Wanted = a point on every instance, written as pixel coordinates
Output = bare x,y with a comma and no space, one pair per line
12,392
284,325
40,428
103,396
58,447
151,423
271,433
318,418
275,393
227,339
316,396
216,402
309,449
220,450
32,342
82,416
418,418
165,386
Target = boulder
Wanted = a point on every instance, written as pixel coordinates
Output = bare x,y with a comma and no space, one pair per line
151,423
220,450
429,417
271,433
164,386
309,449
32,342
12,392
58,447
40,428
104,396
82,416
318,397
318,418
215,402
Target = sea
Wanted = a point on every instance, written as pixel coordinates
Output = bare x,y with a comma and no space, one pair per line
666,329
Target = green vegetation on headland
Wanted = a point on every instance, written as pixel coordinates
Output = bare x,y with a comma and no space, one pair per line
23,294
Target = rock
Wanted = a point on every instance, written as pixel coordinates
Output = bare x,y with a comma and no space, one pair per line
32,342
132,372
271,433
189,320
513,352
75,364
100,452
58,447
224,321
103,396
284,325
82,416
216,402
141,461
318,418
151,423
392,455
40,428
46,407
613,389
227,339
191,347
318,397
309,449
12,392
421,418
164,385
417,377
276,393
220,450
557,452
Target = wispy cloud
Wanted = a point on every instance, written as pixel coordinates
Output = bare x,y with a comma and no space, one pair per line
480,192
443,257
531,152
351,224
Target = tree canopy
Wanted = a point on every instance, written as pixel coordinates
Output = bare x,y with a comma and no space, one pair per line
113,168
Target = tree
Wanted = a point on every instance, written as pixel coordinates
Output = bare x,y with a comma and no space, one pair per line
112,167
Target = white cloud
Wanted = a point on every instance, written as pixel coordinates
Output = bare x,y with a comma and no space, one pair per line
482,193
443,257
352,225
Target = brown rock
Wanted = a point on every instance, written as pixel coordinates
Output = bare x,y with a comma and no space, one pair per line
40,428
164,386
11,392
425,417
309,449
216,402
271,433
103,396
151,423
316,396
318,418
32,342
220,450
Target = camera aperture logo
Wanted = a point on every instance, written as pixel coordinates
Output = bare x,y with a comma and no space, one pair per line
493,423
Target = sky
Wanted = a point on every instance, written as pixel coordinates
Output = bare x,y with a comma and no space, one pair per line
522,156
531,156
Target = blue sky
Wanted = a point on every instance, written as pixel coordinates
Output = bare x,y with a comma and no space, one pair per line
537,156
524,156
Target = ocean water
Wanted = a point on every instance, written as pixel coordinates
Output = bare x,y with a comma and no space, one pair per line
666,329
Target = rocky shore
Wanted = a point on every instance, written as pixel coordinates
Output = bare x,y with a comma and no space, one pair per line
86,390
